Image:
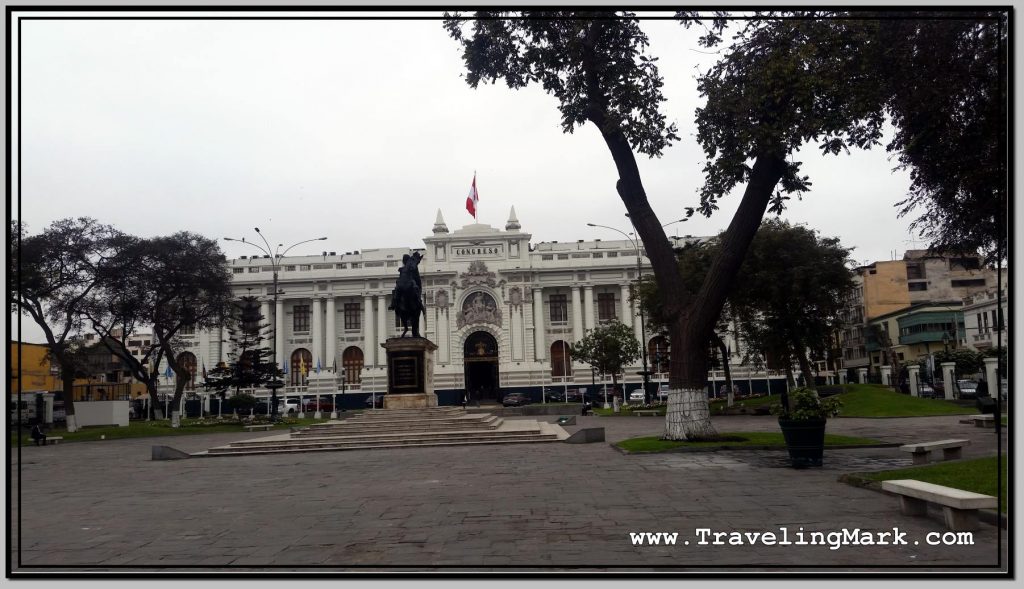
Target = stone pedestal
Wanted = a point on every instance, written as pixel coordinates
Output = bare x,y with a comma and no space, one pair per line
410,362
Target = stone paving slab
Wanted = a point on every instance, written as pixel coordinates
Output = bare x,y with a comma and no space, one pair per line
97,505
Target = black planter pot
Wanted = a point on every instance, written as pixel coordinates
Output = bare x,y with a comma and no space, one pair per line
805,441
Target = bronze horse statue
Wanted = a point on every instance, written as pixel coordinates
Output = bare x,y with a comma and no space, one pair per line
407,297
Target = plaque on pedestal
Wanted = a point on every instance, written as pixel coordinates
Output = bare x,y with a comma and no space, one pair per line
410,373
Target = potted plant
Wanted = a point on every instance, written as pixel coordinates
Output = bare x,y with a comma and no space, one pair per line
802,420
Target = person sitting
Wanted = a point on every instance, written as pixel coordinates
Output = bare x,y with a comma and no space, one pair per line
38,435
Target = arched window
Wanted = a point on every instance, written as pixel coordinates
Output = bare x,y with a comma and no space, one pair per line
187,362
352,363
301,360
658,354
561,359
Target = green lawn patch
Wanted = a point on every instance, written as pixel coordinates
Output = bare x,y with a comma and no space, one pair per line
146,429
978,476
866,400
747,439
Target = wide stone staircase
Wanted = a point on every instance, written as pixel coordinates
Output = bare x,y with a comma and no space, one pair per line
398,428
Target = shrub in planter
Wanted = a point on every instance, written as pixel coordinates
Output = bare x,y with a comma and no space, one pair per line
803,425
242,403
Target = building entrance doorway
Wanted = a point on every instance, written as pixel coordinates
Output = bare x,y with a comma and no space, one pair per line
480,355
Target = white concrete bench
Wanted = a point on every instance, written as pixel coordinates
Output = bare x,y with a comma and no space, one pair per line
984,421
262,426
652,412
959,507
54,439
951,449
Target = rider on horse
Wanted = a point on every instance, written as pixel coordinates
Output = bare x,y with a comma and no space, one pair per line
407,298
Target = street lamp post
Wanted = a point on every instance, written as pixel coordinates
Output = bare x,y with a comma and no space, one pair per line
274,264
643,329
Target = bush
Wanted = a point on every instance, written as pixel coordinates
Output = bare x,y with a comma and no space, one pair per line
242,403
807,406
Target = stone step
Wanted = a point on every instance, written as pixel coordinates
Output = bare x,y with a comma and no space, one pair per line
421,411
355,437
410,422
398,428
233,451
390,437
405,423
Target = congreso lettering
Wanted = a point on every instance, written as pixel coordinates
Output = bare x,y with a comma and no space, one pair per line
477,251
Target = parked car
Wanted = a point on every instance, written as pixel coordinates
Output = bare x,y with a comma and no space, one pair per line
927,391
663,393
515,400
286,406
968,388
637,397
325,405
375,401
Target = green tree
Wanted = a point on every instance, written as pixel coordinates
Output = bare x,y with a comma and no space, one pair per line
782,83
170,284
251,362
789,302
608,349
51,278
967,361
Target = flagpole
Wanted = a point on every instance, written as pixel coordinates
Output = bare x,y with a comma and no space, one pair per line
476,203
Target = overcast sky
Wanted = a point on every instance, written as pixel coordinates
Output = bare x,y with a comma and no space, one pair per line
360,131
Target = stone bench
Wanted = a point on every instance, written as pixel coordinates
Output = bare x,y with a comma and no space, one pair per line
652,412
984,421
262,426
951,449
54,439
959,507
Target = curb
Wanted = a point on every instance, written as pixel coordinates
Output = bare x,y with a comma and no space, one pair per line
743,448
989,516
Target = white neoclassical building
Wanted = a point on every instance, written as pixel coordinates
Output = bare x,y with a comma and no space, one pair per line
501,310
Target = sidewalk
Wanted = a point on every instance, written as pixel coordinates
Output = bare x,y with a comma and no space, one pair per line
101,504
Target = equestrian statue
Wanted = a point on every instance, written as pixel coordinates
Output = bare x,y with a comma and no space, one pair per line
407,297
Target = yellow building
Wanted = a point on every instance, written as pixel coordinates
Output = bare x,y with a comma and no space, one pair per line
31,365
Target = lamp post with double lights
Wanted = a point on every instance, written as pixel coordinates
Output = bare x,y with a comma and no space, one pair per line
275,265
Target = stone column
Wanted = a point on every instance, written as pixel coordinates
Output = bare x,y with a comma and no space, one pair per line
279,333
317,333
914,377
382,326
588,307
265,312
222,344
842,377
331,334
627,310
948,379
369,341
518,332
862,375
577,315
539,341
991,377
887,375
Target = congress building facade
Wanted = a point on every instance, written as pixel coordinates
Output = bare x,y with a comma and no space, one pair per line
501,310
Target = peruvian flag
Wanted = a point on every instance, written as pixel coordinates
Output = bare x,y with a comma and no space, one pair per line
473,198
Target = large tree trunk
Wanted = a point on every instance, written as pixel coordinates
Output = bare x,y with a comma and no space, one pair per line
67,381
805,367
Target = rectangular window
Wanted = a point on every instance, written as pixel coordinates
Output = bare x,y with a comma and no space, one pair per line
303,267
188,330
559,308
964,264
915,271
605,306
613,254
352,315
917,286
968,282
598,255
563,256
237,270
289,268
254,269
300,318
547,257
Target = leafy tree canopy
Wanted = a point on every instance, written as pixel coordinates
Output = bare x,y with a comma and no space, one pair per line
608,348
939,77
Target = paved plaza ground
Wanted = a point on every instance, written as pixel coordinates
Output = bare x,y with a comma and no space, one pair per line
94,505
